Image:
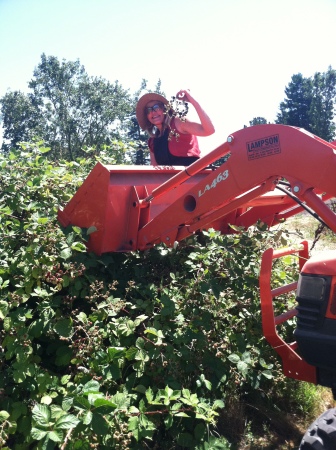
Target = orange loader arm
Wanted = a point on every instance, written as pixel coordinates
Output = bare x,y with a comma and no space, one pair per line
272,172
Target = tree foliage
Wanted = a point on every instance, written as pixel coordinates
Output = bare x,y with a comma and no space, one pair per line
322,111
122,351
258,121
66,108
72,111
20,119
310,104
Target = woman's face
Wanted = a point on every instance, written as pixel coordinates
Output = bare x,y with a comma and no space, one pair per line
155,113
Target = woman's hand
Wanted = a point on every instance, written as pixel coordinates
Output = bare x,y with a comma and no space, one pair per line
184,96
204,127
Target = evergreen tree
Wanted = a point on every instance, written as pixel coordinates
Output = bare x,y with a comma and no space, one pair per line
322,107
294,110
309,104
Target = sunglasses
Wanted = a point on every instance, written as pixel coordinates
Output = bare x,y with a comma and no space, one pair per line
154,108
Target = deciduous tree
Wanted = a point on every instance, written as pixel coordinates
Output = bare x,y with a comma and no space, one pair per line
20,119
75,110
258,121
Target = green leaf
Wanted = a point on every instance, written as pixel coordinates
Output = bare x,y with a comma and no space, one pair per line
38,434
7,323
133,423
41,415
115,353
267,374
142,355
92,397
139,319
55,436
149,395
82,317
99,424
208,384
4,415
3,309
67,421
130,353
64,327
4,284
79,247
81,403
77,230
40,292
140,388
42,220
81,444
218,404
46,400
127,328
181,414
152,331
63,355
242,367
234,358
19,375
202,417
105,405
87,417
91,386
199,431
66,253
44,149
18,409
168,421
189,399
65,379
56,411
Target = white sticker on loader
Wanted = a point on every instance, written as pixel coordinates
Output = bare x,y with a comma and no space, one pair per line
221,177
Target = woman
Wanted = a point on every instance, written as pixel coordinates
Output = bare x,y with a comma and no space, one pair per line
172,141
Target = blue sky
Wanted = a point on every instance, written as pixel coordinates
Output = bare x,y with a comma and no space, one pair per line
236,56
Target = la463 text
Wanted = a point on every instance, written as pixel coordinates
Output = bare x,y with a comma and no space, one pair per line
220,177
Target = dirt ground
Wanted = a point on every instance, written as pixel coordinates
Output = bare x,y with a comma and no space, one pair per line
304,226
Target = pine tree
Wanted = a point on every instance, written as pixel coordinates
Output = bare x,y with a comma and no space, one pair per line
310,103
294,110
322,107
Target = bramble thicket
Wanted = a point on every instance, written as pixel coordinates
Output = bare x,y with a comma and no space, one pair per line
155,349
